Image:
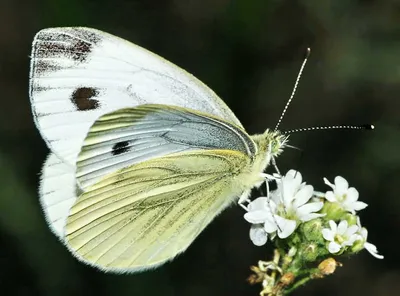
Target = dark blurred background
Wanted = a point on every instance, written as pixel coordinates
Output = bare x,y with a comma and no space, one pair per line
249,52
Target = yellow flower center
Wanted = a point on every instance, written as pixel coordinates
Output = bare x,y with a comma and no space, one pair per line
339,239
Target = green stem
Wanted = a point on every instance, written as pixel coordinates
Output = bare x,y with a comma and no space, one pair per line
297,284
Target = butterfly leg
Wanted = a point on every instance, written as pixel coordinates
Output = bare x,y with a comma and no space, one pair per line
275,166
245,196
275,178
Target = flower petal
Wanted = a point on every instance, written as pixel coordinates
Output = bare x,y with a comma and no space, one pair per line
276,196
303,196
256,217
308,209
341,186
364,233
258,235
333,247
295,176
318,194
328,234
372,250
359,205
329,183
260,203
289,185
286,227
311,216
330,196
342,227
358,221
352,195
350,240
351,230
333,226
270,225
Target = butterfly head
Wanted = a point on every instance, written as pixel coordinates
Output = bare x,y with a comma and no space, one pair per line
274,142
270,144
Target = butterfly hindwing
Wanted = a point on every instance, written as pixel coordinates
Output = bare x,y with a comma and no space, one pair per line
147,213
78,74
128,136
133,135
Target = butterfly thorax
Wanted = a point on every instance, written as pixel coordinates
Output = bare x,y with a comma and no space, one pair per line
270,144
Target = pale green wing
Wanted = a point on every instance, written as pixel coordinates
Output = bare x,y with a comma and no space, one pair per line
144,215
133,135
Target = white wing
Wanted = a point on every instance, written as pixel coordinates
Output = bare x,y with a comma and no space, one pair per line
78,74
58,192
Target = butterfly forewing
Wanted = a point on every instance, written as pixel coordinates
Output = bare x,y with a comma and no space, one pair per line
58,192
147,213
133,135
78,74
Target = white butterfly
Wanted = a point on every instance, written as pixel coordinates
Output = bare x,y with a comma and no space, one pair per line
143,154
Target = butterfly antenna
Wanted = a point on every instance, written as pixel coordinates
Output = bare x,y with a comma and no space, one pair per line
294,89
315,128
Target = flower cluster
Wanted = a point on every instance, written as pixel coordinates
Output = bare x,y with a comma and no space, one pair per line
306,227
283,210
294,202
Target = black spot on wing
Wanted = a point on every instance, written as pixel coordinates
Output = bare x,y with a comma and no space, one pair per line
83,98
120,148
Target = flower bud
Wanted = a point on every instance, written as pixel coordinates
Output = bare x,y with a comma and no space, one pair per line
333,211
328,266
287,279
311,230
310,252
357,246
351,219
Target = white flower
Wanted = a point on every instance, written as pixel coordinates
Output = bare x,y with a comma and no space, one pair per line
284,227
340,236
293,198
261,213
287,206
345,196
258,212
371,248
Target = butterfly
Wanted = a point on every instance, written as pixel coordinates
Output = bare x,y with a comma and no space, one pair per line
143,155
